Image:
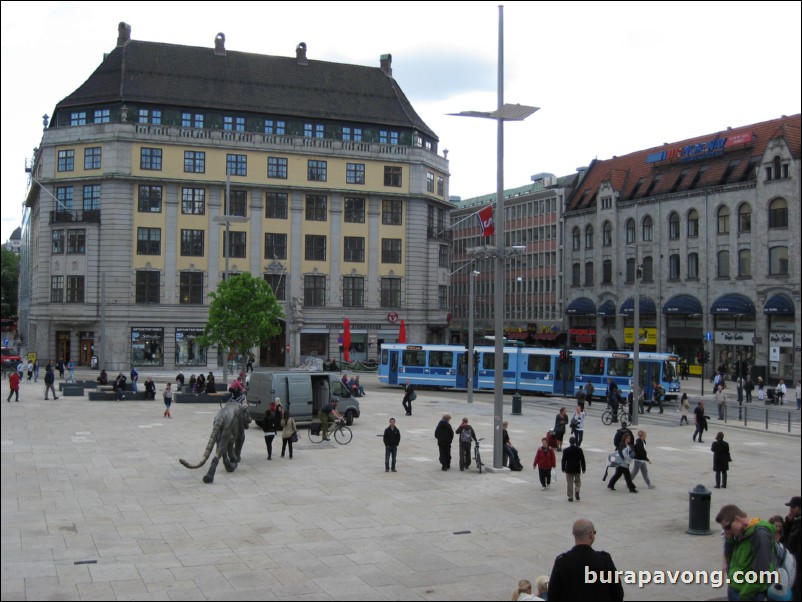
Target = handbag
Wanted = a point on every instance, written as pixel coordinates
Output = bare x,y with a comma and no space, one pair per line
413,396
294,437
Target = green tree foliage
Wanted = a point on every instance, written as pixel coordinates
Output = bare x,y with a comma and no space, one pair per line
243,314
10,282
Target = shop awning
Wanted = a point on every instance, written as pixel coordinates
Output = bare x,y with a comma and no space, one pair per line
606,309
646,307
581,307
780,305
733,304
516,336
686,305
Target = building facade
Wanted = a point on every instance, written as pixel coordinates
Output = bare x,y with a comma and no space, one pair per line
708,230
173,166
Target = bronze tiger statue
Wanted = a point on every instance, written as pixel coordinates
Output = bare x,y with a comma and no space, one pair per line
228,433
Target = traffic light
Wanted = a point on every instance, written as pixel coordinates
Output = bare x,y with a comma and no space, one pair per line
707,357
568,355
562,356
699,357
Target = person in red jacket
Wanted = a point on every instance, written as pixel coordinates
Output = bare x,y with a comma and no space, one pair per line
13,381
545,460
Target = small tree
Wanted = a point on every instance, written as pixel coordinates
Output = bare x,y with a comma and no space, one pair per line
10,281
243,314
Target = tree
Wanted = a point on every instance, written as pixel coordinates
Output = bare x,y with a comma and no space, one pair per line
243,314
10,282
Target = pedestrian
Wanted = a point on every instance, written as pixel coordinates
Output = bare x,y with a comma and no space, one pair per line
545,461
524,591
578,425
444,434
642,459
721,401
288,432
701,420
589,389
465,434
619,435
748,549
684,406
560,422
392,439
20,370
36,371
192,380
168,399
50,379
150,389
30,370
119,386
779,392
792,531
631,400
626,455
721,460
569,581
542,587
270,423
612,399
409,397
572,463
13,382
749,386
760,388
211,387
71,368
580,397
798,395
658,392
200,384
249,365
60,368
179,382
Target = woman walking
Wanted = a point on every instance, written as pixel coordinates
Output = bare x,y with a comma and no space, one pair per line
545,460
270,423
684,406
721,460
288,431
168,399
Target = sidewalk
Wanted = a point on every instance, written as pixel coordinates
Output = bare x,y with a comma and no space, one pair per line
95,505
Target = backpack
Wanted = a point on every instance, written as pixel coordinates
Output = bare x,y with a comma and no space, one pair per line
785,565
465,436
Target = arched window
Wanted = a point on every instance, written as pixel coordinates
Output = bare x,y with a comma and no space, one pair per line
589,237
745,218
778,214
575,238
648,234
589,273
693,223
630,231
778,261
723,267
673,225
648,269
607,235
744,263
724,220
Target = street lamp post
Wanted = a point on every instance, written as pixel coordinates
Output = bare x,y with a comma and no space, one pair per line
471,368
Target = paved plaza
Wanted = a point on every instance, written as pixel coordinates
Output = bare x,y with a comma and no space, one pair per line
95,505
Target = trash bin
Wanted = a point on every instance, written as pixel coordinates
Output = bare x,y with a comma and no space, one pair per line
516,404
93,362
699,511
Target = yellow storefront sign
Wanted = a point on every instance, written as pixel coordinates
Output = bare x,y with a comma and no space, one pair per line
648,336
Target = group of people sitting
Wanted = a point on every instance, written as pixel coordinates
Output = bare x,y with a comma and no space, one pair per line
353,386
197,384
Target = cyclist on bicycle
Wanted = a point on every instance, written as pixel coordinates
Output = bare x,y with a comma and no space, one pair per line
465,434
325,414
237,390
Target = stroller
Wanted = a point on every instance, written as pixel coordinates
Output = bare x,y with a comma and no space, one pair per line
513,460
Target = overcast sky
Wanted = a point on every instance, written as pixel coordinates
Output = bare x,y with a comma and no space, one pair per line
610,78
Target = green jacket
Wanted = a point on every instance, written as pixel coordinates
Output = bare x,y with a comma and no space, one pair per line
752,551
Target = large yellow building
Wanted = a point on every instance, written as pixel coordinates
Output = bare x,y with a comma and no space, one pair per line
336,195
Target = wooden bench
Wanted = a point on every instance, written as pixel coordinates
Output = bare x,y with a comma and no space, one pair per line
201,398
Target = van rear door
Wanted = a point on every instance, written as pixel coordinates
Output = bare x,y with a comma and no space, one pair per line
300,399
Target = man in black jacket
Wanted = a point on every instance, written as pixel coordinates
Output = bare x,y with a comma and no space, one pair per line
582,573
392,438
572,463
444,434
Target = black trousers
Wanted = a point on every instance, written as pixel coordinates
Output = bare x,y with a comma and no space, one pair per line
465,455
407,403
622,470
445,455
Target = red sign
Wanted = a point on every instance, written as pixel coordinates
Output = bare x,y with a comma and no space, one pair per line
392,317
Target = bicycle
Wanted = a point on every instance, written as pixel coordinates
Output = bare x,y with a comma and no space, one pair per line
607,416
476,456
341,433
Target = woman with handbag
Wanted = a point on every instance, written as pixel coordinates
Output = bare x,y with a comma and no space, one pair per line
409,397
270,424
289,433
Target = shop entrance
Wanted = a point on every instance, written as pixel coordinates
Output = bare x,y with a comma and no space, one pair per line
63,345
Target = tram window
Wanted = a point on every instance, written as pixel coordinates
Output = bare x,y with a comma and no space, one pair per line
441,359
591,365
489,361
414,358
669,371
385,354
538,363
619,367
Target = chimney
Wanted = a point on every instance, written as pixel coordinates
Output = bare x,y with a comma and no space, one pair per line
220,44
300,54
123,34
386,64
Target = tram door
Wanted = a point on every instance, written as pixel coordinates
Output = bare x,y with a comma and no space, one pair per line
392,372
564,377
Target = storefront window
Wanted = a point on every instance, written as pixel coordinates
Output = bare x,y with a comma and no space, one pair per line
188,352
147,346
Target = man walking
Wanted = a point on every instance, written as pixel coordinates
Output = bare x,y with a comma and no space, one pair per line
50,379
748,546
392,438
409,396
701,420
721,401
572,463
641,459
444,435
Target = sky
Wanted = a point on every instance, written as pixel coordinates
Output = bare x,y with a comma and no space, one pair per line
610,78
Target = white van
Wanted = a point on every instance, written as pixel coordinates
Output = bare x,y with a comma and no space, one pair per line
303,393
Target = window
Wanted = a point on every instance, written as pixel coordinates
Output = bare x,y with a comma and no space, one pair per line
57,238
278,282
442,297
353,291
101,116
744,263
150,158
392,176
64,196
314,130
589,273
78,118
693,266
576,275
630,227
315,247
673,267
231,123
778,214
673,226
275,246
57,289
778,261
190,120
92,157
237,165
316,208
193,201
693,224
648,269
277,168
444,257
191,288
76,241
723,267
441,185
355,173
276,205
150,199
391,250
238,246
576,242
607,234
148,241
724,220
429,181
238,203
194,162
154,116
354,249
391,212
647,229
192,243
75,289
388,137
630,275
66,160
607,271
745,218
354,134
314,291
391,292
91,197
354,210
147,286
316,171
274,126
588,236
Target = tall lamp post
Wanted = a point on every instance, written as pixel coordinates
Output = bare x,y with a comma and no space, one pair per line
504,112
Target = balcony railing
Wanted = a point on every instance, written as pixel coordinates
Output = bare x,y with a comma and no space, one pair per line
76,215
438,233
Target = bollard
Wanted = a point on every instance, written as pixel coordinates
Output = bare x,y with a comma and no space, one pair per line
699,511
516,404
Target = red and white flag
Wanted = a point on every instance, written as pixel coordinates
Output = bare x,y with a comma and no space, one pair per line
486,221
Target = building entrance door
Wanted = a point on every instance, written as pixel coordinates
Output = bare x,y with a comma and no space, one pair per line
87,351
63,345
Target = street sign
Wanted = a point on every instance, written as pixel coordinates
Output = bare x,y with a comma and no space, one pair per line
708,336
5,342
